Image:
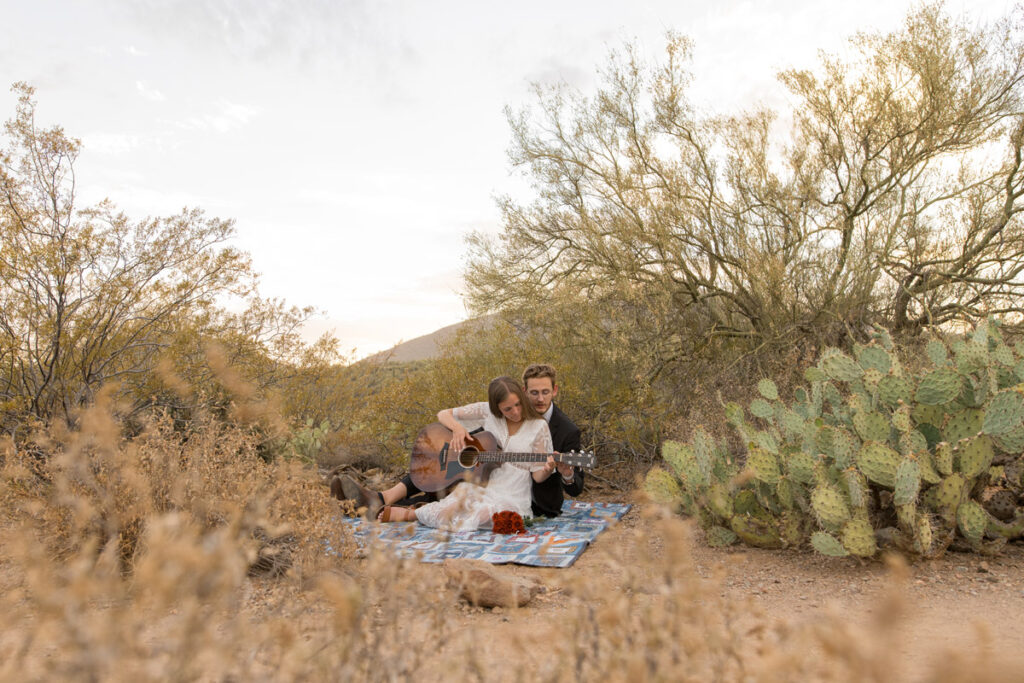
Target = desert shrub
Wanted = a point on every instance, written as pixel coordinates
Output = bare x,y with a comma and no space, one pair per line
881,449
681,234
90,297
616,410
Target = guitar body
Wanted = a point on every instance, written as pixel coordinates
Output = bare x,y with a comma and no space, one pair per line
434,468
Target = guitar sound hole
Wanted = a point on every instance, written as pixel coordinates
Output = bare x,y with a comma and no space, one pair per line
467,458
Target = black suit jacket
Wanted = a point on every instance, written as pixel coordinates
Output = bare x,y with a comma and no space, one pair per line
549,494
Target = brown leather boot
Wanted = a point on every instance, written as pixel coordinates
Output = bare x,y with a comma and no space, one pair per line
364,497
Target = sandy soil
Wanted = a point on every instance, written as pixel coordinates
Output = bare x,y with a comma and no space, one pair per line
950,601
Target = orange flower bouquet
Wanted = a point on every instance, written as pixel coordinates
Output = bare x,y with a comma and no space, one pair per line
508,522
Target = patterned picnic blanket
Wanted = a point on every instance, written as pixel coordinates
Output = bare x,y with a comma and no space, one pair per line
547,542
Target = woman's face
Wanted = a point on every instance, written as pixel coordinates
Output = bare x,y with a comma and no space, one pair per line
511,408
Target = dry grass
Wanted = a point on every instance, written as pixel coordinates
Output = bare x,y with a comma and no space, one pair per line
129,559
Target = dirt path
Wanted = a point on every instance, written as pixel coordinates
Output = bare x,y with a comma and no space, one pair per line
959,603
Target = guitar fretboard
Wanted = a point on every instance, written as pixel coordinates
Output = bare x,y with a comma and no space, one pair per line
508,456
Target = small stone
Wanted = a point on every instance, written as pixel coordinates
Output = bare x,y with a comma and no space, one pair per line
983,568
484,585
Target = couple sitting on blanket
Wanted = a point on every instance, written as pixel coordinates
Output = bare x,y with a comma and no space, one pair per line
520,421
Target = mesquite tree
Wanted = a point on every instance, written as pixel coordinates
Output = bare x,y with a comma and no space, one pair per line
893,198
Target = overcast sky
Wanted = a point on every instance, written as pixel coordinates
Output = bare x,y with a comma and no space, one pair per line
356,143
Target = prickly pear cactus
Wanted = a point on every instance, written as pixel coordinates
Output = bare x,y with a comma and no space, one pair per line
868,453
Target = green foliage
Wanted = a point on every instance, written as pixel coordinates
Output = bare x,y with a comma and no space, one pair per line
844,472
686,236
89,297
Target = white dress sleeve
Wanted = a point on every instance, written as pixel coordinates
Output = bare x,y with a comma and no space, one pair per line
472,416
541,443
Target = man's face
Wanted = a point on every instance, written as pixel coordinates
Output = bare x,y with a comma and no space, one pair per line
541,392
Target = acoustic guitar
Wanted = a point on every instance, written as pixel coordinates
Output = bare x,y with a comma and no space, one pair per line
434,466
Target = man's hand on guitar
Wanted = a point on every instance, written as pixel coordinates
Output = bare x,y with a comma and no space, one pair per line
545,472
565,470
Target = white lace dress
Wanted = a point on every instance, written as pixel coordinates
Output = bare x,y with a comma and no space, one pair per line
509,487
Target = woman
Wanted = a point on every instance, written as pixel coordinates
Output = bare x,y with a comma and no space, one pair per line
510,417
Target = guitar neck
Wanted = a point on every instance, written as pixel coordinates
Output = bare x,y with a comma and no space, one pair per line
508,456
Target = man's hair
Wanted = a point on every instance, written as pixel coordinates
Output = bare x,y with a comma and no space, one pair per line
501,388
538,370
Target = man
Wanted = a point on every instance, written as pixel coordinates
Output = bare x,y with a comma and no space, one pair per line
541,390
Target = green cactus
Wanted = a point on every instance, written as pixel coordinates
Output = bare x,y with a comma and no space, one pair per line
871,426
893,390
662,487
764,465
859,537
829,506
874,358
827,544
856,485
768,390
972,520
878,462
963,424
944,458
974,456
938,387
817,465
936,352
840,367
908,482
720,537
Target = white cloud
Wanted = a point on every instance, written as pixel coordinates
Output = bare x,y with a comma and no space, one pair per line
229,116
148,92
110,143
135,52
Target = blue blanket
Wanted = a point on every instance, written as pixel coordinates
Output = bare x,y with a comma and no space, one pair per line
547,542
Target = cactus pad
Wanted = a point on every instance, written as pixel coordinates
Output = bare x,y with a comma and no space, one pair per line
800,466
974,455
962,425
1003,355
859,538
871,426
972,521
913,442
768,390
924,534
901,419
972,357
936,352
938,387
908,482
892,390
1012,441
830,506
764,465
1004,412
662,487
856,487
838,366
946,496
944,458
878,463
874,358
682,459
720,537
871,379
827,544
755,531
